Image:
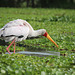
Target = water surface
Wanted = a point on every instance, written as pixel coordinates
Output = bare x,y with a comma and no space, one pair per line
42,53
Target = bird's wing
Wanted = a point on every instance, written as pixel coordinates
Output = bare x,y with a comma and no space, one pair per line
14,23
16,28
16,31
18,22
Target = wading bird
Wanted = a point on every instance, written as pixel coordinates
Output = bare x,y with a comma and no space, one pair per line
19,30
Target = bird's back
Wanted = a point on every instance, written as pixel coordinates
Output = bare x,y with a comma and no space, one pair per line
17,28
14,23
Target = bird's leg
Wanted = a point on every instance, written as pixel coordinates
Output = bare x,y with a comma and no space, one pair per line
14,46
9,46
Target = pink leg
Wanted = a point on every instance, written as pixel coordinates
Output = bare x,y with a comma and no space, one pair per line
9,46
14,46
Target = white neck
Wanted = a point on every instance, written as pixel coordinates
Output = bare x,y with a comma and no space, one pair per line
36,33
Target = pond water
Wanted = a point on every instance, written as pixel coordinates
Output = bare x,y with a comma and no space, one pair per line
42,53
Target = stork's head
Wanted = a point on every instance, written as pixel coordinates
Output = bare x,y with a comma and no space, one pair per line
44,33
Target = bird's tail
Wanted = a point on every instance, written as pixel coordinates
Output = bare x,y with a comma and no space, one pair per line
1,32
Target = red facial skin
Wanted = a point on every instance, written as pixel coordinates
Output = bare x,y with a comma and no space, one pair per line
45,34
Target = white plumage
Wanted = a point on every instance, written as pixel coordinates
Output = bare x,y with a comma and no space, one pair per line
16,28
19,30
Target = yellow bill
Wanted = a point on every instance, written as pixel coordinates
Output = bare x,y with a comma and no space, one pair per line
47,36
